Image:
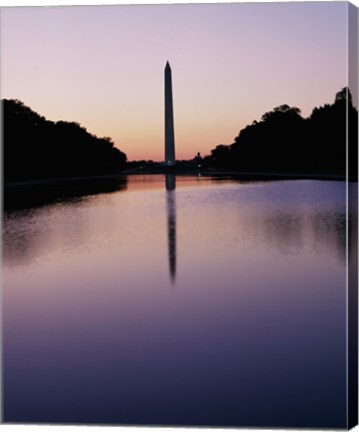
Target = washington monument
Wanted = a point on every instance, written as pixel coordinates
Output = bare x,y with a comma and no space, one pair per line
170,158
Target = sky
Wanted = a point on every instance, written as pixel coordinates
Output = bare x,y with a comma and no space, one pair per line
103,67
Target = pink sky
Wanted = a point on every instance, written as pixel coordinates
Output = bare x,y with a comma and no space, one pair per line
102,66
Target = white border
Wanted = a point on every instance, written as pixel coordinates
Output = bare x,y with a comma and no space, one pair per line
116,2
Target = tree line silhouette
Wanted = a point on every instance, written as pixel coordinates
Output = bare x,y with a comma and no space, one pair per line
285,142
282,142
36,148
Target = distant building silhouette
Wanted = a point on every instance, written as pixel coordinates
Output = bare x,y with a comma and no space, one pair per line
170,158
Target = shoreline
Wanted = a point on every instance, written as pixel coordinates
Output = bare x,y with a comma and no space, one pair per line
32,193
109,178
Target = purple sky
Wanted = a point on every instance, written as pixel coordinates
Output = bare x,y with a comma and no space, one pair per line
102,66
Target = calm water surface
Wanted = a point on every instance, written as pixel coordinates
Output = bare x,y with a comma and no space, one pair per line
188,301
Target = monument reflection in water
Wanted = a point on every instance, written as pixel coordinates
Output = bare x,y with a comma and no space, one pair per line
255,334
171,223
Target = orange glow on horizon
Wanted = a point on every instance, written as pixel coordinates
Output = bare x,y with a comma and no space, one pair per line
230,64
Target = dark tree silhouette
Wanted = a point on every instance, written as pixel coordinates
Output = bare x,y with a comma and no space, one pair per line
36,148
284,142
221,155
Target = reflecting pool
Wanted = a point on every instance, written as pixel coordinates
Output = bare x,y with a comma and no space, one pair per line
178,301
